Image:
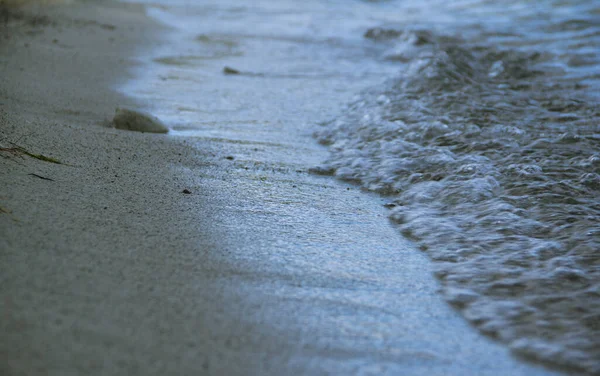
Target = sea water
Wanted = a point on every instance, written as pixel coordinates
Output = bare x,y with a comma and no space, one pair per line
479,120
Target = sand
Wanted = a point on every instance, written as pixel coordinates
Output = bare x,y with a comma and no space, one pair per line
108,268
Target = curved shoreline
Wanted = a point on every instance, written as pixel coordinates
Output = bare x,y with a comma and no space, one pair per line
109,268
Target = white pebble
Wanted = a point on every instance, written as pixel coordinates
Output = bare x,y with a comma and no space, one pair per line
138,121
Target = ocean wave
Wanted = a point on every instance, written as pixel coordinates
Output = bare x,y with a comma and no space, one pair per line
491,156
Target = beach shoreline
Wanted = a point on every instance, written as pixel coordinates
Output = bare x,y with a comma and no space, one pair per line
152,254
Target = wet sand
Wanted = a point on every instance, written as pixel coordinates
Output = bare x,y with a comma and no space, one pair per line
109,268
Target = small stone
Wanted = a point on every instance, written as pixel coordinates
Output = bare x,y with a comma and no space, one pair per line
138,121
231,158
228,70
461,297
322,170
187,191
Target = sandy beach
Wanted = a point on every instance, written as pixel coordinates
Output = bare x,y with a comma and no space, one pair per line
108,268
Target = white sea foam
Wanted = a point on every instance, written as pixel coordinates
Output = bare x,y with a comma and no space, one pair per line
488,141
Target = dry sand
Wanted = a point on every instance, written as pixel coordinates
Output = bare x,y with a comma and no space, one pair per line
110,269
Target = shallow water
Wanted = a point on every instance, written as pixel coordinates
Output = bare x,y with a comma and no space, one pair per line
479,120
488,142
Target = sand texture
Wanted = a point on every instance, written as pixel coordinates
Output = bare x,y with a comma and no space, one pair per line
108,268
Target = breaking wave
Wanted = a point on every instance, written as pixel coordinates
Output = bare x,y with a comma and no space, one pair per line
490,152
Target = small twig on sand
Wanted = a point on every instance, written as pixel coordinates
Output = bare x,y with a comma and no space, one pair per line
9,213
41,177
41,157
18,150
13,151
